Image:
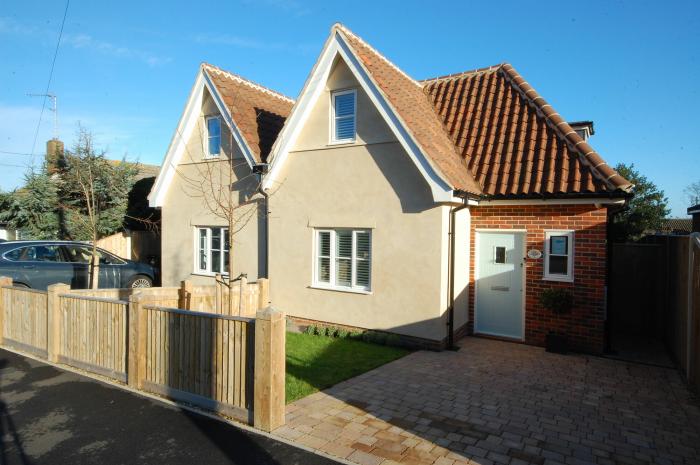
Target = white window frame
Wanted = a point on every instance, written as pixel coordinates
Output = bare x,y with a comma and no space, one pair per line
569,276
354,287
206,146
208,271
335,94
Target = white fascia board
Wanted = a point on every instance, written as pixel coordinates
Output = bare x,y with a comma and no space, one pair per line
185,127
441,190
579,201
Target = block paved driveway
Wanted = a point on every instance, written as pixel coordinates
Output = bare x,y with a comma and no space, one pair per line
495,402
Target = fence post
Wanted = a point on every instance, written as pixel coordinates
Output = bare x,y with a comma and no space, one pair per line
185,297
53,320
136,367
268,391
242,298
4,281
263,293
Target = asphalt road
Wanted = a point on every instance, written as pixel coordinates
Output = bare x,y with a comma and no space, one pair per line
50,416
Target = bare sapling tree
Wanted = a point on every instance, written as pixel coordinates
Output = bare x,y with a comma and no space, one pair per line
229,190
96,195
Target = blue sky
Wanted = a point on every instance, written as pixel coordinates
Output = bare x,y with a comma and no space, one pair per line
124,69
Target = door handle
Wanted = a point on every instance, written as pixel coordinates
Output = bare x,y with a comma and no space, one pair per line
28,267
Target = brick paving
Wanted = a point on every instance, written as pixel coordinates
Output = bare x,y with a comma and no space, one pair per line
500,403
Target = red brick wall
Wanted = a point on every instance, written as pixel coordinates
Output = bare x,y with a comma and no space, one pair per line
585,324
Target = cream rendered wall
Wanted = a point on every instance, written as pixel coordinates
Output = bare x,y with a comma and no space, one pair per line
371,183
184,208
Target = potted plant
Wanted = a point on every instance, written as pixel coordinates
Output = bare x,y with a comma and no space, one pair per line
559,301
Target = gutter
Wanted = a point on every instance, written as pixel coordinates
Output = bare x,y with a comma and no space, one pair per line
451,271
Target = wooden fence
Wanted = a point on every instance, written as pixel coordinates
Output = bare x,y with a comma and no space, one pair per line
202,359
217,361
132,245
24,319
655,290
93,334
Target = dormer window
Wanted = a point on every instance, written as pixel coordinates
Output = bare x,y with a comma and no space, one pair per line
343,105
213,136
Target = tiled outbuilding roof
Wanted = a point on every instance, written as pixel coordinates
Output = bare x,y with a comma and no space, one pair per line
514,143
257,111
489,133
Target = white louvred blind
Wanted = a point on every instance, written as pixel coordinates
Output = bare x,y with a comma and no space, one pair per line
344,108
363,255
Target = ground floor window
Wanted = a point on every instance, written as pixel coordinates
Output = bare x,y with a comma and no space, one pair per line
558,258
343,258
212,250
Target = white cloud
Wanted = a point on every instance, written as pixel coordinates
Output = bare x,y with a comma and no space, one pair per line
86,41
249,43
9,26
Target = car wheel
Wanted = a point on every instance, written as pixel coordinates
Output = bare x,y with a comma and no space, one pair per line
140,281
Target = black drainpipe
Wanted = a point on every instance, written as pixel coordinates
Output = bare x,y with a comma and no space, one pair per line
451,274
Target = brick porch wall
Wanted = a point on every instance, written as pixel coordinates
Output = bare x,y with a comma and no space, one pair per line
585,324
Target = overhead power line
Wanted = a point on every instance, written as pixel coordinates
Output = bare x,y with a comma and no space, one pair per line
48,84
14,153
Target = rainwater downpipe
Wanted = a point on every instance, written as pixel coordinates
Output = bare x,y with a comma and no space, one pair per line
266,222
451,274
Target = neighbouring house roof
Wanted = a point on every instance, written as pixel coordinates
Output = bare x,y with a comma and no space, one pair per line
694,209
257,111
144,170
676,226
489,132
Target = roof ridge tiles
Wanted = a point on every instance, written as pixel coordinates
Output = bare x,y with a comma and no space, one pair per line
345,30
605,172
485,69
245,81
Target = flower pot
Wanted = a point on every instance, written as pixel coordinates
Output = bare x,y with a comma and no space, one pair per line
556,343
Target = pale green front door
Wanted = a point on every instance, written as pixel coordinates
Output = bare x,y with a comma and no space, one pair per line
499,284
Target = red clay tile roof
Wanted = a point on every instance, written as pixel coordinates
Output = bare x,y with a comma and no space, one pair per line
257,111
488,131
514,143
410,104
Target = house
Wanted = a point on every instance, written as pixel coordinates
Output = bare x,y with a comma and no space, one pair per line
427,208
674,226
694,212
208,184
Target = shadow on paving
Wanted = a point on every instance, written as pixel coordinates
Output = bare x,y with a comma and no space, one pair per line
50,416
495,402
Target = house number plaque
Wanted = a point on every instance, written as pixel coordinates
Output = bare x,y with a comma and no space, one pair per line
534,254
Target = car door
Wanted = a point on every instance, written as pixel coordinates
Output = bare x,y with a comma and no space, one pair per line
111,268
41,265
78,256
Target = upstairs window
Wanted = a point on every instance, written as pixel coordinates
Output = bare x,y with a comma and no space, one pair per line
343,259
559,256
343,116
213,136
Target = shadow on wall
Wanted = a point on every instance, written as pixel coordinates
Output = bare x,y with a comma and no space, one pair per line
407,182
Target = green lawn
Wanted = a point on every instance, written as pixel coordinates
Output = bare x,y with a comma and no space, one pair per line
317,362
